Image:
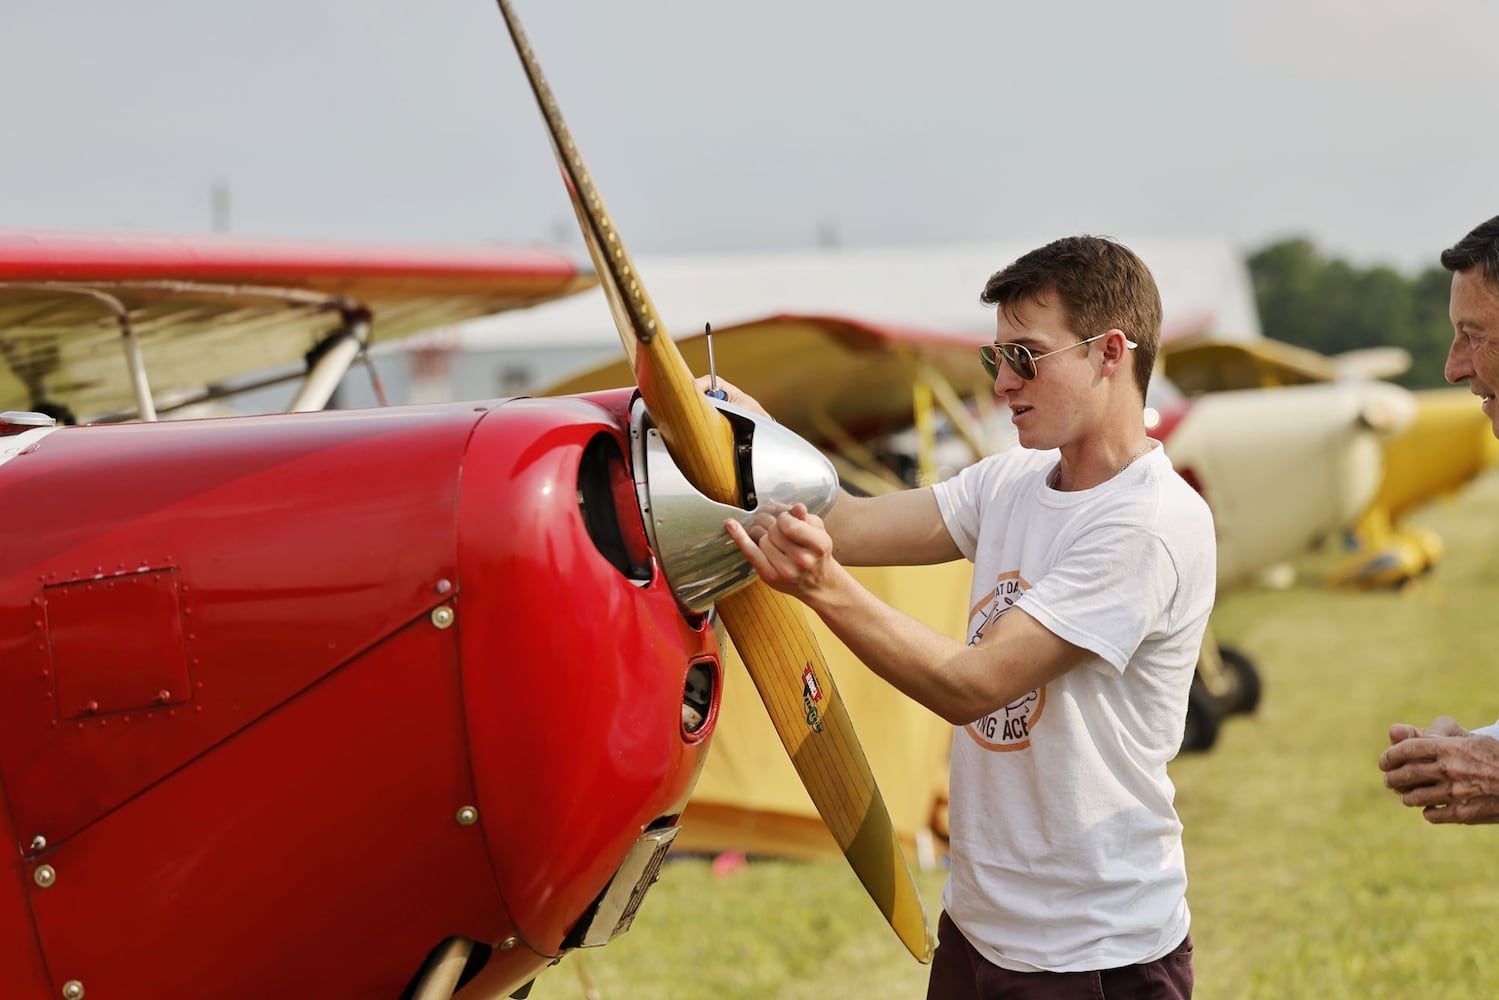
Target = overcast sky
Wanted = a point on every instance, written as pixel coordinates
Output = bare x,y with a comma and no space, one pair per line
1367,125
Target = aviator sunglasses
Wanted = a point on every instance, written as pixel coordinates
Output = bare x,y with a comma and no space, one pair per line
1022,361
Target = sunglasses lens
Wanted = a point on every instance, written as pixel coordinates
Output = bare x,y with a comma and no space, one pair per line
1017,356
1020,359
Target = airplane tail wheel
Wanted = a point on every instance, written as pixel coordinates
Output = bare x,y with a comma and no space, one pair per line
1245,686
1203,718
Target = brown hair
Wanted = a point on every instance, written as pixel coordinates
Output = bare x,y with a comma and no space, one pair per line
1480,248
1100,285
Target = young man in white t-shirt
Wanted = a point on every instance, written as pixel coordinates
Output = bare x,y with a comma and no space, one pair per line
1094,569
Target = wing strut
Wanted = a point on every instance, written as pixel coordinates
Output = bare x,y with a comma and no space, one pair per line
135,364
328,362
331,359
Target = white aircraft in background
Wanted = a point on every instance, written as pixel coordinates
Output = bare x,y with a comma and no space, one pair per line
1444,445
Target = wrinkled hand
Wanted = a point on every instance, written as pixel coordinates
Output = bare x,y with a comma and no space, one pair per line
791,551
733,394
1450,774
1442,725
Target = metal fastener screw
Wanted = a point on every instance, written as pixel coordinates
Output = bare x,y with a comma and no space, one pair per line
442,617
44,876
507,944
38,844
72,990
468,816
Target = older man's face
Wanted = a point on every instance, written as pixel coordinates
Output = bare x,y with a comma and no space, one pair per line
1474,357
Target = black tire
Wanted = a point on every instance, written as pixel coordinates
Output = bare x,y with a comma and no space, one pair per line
1203,718
1244,696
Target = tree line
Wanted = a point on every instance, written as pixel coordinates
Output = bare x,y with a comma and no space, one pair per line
1330,306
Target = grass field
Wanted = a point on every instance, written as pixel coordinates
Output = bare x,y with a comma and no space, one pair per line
1308,879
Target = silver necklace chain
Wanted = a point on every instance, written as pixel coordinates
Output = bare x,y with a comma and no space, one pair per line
1131,460
1055,479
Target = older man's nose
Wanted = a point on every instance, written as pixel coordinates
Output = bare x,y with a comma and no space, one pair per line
1459,366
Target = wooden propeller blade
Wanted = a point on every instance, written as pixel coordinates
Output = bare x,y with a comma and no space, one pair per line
769,629
664,379
782,657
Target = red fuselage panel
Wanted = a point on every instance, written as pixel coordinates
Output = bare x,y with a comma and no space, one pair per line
253,672
293,543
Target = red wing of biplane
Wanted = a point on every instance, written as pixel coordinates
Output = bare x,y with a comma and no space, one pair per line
76,310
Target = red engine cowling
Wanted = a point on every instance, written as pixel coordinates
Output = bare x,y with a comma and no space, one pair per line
285,701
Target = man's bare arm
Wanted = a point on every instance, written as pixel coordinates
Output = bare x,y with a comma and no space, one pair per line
895,529
958,682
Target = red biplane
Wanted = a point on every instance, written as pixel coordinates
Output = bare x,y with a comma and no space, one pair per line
289,681
390,702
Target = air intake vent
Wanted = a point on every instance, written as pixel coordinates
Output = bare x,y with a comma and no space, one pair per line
610,511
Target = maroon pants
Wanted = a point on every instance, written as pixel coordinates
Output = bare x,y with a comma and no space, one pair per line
960,973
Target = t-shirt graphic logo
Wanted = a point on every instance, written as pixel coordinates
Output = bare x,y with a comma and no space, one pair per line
1010,727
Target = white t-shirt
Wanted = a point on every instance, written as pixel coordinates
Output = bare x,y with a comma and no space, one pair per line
1066,846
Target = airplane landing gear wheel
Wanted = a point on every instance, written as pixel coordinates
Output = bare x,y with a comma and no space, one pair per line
1245,686
1203,718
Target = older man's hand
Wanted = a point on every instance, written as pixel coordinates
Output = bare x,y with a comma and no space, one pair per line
1447,772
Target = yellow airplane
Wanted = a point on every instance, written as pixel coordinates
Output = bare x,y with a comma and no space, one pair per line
1445,444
